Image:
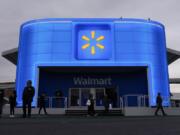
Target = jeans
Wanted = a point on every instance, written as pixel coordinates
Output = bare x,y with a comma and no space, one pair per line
25,104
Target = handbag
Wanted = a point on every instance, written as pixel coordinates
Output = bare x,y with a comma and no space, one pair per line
88,103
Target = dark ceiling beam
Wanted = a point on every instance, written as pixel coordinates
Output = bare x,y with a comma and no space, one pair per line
11,55
174,80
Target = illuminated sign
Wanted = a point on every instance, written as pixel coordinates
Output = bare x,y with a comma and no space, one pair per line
92,46
94,43
92,81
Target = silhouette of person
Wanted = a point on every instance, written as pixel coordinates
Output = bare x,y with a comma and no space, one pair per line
88,103
106,104
159,105
12,101
1,101
42,103
27,97
91,107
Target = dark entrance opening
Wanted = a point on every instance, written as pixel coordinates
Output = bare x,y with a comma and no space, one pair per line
115,81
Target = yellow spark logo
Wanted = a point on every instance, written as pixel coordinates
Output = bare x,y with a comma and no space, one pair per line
93,50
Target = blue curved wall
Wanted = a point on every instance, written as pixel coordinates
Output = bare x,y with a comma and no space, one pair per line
127,42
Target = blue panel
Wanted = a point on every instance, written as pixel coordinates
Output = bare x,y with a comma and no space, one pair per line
62,36
62,47
43,37
61,57
44,27
41,48
135,37
59,26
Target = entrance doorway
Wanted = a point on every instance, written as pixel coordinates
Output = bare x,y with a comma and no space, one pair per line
71,81
79,96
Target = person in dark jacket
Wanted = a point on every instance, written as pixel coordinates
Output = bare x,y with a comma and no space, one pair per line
91,107
88,103
12,102
42,103
27,97
159,105
1,101
106,104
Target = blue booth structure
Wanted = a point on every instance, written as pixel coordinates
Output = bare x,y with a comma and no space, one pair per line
97,56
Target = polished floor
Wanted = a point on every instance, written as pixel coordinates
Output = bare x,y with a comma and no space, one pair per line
81,125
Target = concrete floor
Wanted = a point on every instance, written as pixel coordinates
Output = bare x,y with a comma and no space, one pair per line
101,125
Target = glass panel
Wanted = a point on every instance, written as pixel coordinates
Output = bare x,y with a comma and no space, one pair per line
74,97
85,93
99,96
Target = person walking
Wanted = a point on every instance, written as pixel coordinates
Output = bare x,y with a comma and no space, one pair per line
106,104
1,101
159,101
88,103
42,103
91,107
27,97
12,102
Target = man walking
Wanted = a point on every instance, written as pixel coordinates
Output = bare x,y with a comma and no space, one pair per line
92,111
159,105
106,104
28,95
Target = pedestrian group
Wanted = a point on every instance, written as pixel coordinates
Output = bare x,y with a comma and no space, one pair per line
29,92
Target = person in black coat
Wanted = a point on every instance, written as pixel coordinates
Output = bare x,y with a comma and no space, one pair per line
88,103
27,98
106,104
1,101
159,105
91,110
42,103
12,101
